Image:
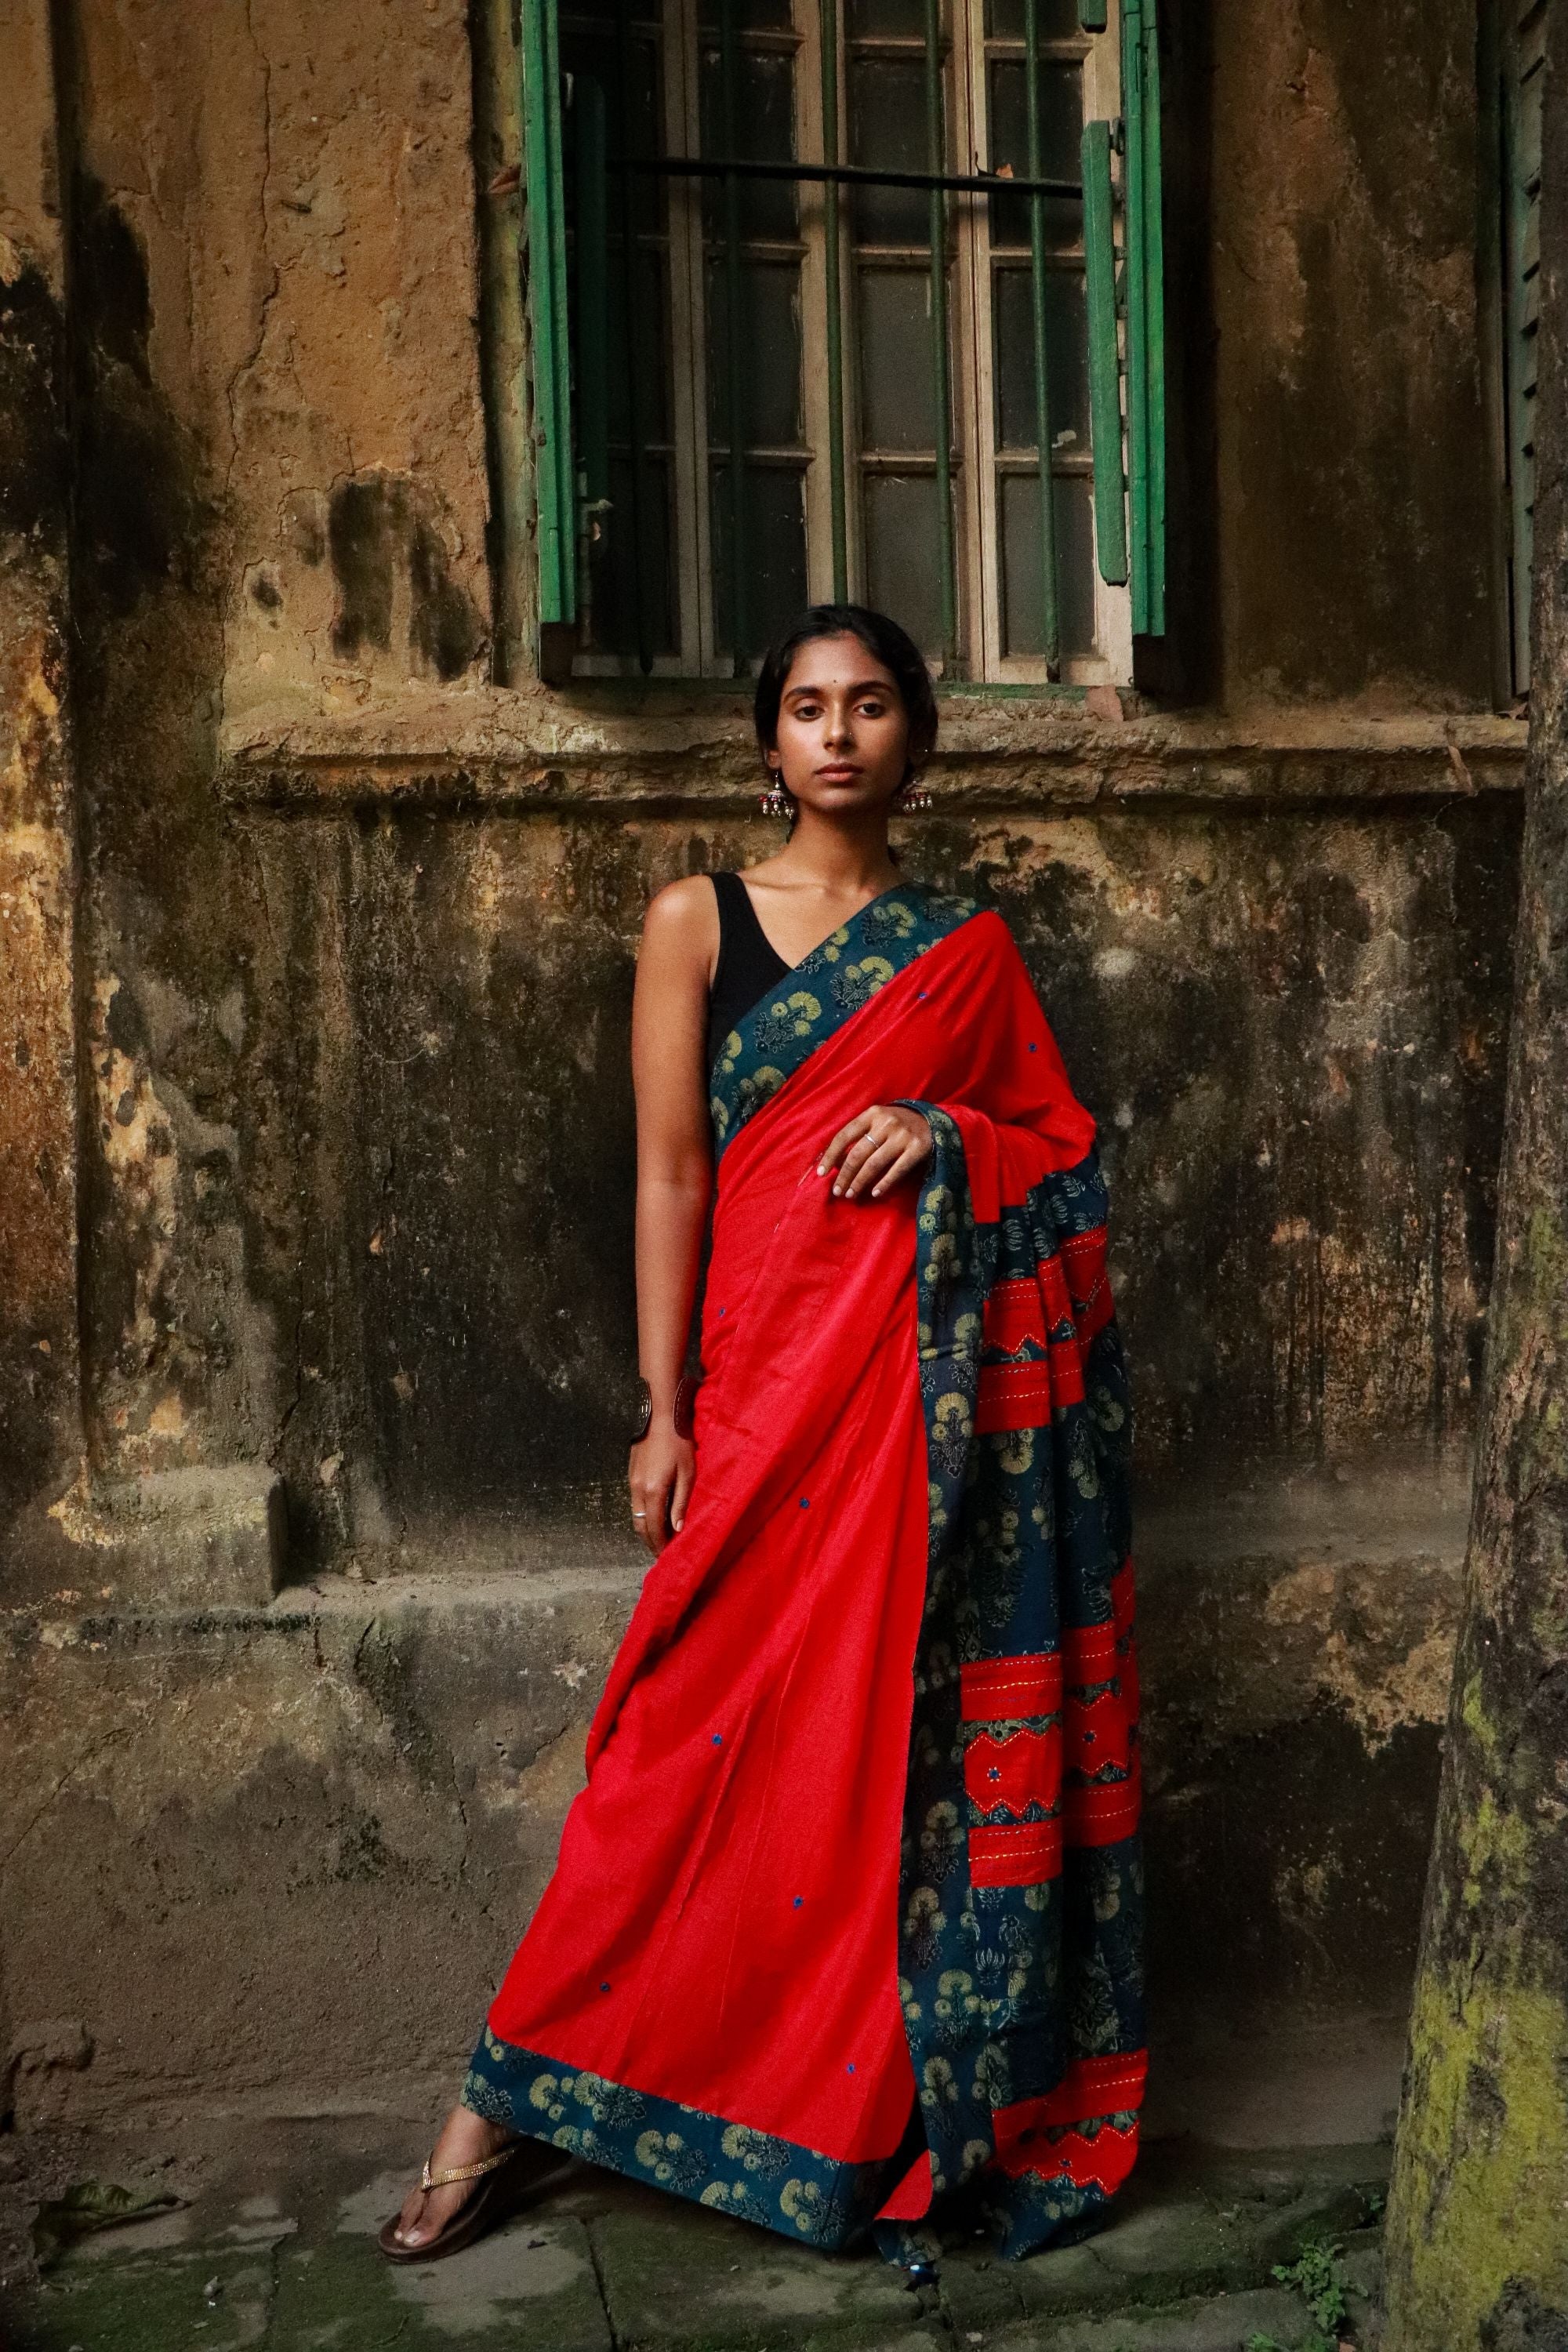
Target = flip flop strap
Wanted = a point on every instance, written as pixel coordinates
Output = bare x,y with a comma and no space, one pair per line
452,2173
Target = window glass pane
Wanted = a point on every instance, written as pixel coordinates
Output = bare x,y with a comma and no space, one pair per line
902,559
774,523
1067,359
639,352
634,116
749,15
1061,117
762,133
634,548
645,368
905,18
1061,132
1055,20
897,392
770,353
1018,503
888,133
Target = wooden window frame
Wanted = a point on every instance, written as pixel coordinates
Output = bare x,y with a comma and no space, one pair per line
1512,79
1125,304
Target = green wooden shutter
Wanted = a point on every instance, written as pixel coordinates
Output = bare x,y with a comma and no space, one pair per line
1145,315
1127,330
1523,63
556,487
1104,360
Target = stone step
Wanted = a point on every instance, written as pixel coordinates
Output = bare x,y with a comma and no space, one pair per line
272,2242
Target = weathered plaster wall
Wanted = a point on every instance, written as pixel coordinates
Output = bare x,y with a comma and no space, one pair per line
1286,1023
353,966
283,514
1351,469
40,1432
275,366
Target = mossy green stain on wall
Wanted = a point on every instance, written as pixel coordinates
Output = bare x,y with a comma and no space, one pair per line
1488,2158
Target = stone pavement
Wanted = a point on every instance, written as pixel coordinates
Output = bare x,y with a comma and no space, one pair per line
271,2244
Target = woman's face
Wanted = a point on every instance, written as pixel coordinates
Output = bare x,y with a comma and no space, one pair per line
843,730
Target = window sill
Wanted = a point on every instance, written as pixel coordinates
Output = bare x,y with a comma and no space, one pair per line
679,748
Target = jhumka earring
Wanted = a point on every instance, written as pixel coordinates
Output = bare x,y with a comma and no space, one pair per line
776,802
914,794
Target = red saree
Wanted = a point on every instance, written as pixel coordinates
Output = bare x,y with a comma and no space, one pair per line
848,1912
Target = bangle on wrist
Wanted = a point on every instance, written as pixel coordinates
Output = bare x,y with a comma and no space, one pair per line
682,1411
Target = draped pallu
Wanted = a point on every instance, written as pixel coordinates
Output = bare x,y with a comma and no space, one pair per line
848,1912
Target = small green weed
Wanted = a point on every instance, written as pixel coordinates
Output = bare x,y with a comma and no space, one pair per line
87,2206
1317,2278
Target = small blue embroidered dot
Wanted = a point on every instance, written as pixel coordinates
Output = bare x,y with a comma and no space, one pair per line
806,1502
721,1310
849,2069
717,1739
798,1901
1031,1045
603,1988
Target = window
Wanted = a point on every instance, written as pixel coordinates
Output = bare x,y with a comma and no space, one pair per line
798,337
1522,61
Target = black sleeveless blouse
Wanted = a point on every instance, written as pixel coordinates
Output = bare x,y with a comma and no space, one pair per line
748,965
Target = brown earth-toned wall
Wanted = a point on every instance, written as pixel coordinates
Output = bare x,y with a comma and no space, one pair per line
281,517
351,984
1354,495
1286,1023
40,1430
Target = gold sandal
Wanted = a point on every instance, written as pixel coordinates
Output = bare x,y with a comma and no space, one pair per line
478,2213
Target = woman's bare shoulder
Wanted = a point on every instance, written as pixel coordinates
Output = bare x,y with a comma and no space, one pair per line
681,903
682,920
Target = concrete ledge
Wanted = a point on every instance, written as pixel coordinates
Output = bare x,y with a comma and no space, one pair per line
312,1825
310,1831
606,745
175,1538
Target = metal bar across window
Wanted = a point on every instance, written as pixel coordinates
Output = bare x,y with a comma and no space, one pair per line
628,258
1051,603
735,388
592,255
828,35
941,384
980,183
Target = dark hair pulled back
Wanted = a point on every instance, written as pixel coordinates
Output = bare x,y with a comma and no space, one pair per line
893,647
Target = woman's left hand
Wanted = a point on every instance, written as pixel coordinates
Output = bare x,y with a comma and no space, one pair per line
876,1150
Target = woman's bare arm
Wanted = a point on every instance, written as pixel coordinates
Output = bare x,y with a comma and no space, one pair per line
675,1176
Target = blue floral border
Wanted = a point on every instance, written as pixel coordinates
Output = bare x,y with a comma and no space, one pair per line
1005,1986
816,996
729,2166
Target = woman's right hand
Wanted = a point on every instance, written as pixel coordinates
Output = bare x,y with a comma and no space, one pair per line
661,1470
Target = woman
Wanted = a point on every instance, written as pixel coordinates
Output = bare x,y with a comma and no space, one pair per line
848,1914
